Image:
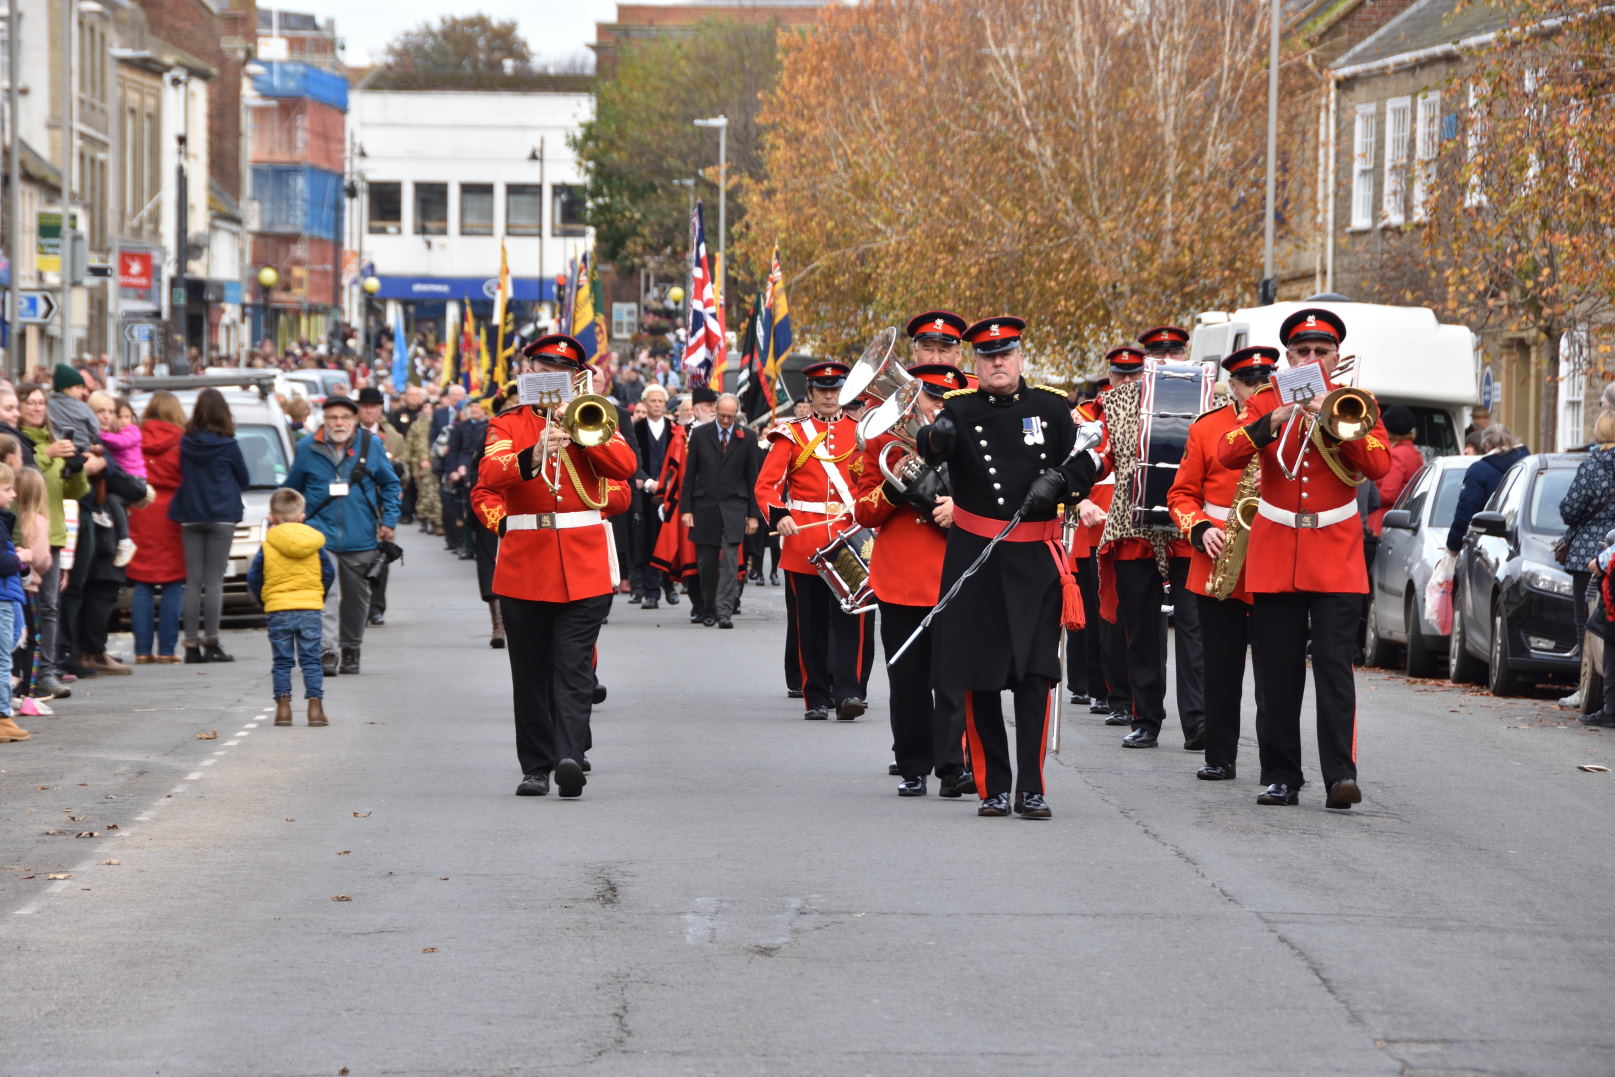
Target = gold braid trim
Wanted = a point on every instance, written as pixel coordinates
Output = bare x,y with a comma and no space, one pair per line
1331,456
577,484
802,457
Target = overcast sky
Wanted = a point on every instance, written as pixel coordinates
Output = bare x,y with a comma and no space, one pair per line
553,28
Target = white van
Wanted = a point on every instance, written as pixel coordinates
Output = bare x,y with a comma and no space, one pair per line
1404,356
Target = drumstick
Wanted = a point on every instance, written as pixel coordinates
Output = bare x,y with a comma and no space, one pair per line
815,523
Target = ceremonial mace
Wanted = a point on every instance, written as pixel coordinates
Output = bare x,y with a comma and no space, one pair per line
1088,435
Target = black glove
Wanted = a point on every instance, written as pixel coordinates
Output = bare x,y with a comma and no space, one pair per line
1262,432
1197,535
935,441
527,460
1047,491
1079,473
921,493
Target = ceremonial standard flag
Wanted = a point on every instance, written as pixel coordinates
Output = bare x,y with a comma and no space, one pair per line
775,344
451,344
400,355
501,314
582,325
704,347
756,398
468,347
485,365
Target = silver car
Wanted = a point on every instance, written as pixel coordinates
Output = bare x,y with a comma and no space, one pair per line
266,443
1414,538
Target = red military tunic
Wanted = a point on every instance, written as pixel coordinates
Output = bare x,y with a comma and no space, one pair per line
794,476
1283,557
1204,491
544,564
906,567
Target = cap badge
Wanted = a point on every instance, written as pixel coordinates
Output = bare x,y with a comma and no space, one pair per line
992,330
1312,321
937,323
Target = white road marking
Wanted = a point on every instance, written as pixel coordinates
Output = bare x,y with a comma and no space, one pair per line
193,775
207,762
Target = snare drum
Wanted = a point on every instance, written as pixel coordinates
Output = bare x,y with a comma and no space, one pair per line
843,563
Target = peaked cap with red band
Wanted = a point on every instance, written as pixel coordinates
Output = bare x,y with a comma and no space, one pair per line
557,348
1313,323
1164,334
991,336
1125,359
1255,357
939,325
938,379
826,375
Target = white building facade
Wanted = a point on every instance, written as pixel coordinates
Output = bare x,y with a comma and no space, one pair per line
443,167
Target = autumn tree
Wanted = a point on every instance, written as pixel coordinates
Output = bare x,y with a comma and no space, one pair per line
471,44
641,150
1520,205
1093,165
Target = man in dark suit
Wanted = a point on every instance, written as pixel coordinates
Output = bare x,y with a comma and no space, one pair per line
721,510
652,435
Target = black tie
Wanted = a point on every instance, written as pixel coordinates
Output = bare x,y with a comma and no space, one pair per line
723,441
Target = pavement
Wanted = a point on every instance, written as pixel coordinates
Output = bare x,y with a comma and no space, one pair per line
742,892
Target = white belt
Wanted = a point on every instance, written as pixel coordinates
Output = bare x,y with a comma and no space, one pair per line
552,521
824,508
1307,519
1108,480
1216,512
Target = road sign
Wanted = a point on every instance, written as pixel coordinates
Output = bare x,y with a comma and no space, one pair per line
35,308
1488,389
98,269
140,332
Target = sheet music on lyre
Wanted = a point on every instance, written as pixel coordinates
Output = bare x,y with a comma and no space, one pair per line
550,389
1299,384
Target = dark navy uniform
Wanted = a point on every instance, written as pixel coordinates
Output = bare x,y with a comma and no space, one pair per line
1002,630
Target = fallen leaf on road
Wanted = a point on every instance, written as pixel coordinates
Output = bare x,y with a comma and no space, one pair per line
1593,768
289,819
344,852
428,949
212,734
343,1072
30,876
60,875
112,863
88,834
340,897
361,815
112,826
52,833
443,878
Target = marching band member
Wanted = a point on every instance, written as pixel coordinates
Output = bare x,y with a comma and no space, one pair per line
1201,499
1102,644
1005,445
937,336
905,570
1304,567
556,570
1137,560
810,471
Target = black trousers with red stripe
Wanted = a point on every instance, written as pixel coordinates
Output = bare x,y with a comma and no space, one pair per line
989,740
927,725
1226,626
551,651
1279,633
835,650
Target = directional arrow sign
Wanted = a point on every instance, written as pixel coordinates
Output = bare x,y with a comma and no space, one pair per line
35,307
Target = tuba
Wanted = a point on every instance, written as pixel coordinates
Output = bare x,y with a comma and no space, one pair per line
898,416
877,371
1236,533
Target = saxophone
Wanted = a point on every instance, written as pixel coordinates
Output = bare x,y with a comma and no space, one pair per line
1236,531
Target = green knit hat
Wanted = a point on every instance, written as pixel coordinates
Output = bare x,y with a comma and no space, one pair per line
65,377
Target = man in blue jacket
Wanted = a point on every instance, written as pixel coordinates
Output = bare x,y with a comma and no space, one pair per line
352,497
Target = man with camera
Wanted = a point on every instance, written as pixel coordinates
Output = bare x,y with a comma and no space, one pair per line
352,497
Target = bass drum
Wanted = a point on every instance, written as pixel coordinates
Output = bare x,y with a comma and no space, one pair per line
1171,397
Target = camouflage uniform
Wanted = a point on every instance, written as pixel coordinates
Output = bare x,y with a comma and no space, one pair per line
418,449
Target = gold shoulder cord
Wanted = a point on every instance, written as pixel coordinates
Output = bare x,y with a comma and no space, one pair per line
577,484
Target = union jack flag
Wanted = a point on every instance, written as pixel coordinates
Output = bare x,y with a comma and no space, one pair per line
705,345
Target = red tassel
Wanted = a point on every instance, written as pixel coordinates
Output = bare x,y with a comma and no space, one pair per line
1070,602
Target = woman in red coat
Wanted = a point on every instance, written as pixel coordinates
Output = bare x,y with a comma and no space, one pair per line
158,568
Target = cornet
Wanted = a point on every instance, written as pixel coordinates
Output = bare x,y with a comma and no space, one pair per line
589,419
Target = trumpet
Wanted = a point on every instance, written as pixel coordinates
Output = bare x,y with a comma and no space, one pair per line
1346,414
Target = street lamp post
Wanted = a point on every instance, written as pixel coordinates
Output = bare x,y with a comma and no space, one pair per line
369,286
537,154
1269,287
268,277
722,124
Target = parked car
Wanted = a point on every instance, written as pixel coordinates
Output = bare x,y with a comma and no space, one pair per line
267,446
1414,539
321,383
1514,618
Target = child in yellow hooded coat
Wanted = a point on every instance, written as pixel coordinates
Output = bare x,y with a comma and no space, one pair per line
289,577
